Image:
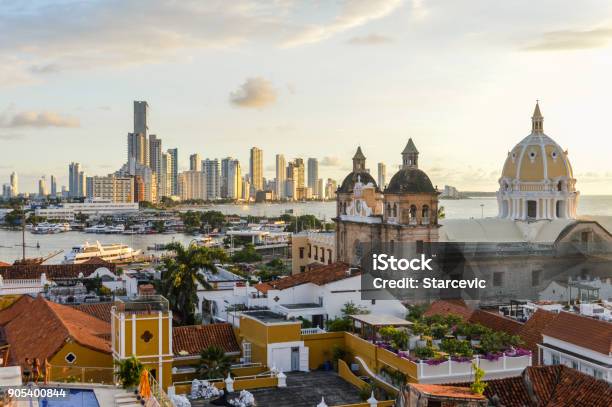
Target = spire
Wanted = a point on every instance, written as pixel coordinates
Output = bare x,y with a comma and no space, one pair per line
537,120
359,161
410,155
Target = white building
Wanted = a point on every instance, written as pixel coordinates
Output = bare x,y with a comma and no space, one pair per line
91,208
212,173
579,342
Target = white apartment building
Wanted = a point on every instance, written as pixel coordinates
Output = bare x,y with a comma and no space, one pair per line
579,342
192,185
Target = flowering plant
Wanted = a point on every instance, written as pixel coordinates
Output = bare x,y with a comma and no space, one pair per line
435,362
461,359
493,356
518,352
245,399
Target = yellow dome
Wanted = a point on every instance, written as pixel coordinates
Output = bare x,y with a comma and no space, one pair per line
537,157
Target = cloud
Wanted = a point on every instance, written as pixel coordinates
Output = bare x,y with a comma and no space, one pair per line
254,93
330,161
371,39
40,120
71,35
567,40
353,13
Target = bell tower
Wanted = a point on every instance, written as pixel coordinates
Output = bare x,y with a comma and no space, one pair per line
537,120
359,161
410,155
142,327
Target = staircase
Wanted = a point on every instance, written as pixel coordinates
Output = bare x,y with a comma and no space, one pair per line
127,399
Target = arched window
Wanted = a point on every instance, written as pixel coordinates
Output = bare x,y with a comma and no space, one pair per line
412,214
388,209
560,186
395,210
425,214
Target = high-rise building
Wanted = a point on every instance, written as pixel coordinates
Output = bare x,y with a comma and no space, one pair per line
195,162
212,172
296,189
313,175
246,189
42,187
382,176
53,186
320,189
234,180
155,150
147,177
225,164
141,113
281,173
14,184
192,185
6,191
330,189
139,189
165,175
138,148
256,169
174,170
113,188
76,180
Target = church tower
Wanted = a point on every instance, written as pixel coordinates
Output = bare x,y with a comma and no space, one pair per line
410,155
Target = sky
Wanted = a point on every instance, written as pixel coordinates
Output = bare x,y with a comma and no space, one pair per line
306,79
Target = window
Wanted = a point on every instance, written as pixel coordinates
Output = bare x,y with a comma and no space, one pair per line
322,254
70,357
301,252
302,269
498,279
246,352
535,277
373,302
555,358
532,209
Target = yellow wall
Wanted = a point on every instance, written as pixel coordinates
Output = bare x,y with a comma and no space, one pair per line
260,335
320,347
101,364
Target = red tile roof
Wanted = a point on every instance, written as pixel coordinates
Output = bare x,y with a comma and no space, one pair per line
146,289
319,276
3,264
194,339
15,309
496,322
263,287
100,310
53,271
531,331
581,331
446,307
444,391
41,328
549,386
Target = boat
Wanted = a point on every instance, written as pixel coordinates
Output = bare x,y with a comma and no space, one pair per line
209,241
95,229
114,229
117,252
46,228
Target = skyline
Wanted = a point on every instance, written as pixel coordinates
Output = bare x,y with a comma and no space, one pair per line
281,77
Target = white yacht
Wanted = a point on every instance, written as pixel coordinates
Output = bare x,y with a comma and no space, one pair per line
95,229
112,252
51,228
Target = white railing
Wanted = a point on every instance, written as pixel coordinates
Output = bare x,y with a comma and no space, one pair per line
311,331
505,366
159,394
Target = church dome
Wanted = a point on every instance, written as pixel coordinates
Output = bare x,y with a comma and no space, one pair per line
537,157
410,180
349,181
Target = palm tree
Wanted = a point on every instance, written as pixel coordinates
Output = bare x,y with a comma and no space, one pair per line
214,363
181,275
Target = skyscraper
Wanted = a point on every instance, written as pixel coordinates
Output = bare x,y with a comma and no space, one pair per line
174,180
165,175
14,184
155,150
212,172
234,180
138,148
256,169
281,177
75,181
313,176
42,187
53,186
141,113
295,180
192,185
382,175
225,164
195,162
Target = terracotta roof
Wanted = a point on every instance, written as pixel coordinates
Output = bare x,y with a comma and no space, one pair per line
52,271
15,309
3,264
263,287
551,386
146,289
581,331
320,276
194,339
548,386
443,391
97,260
531,331
43,327
446,307
496,321
100,310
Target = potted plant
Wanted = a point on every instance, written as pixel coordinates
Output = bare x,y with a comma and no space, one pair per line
438,332
128,372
